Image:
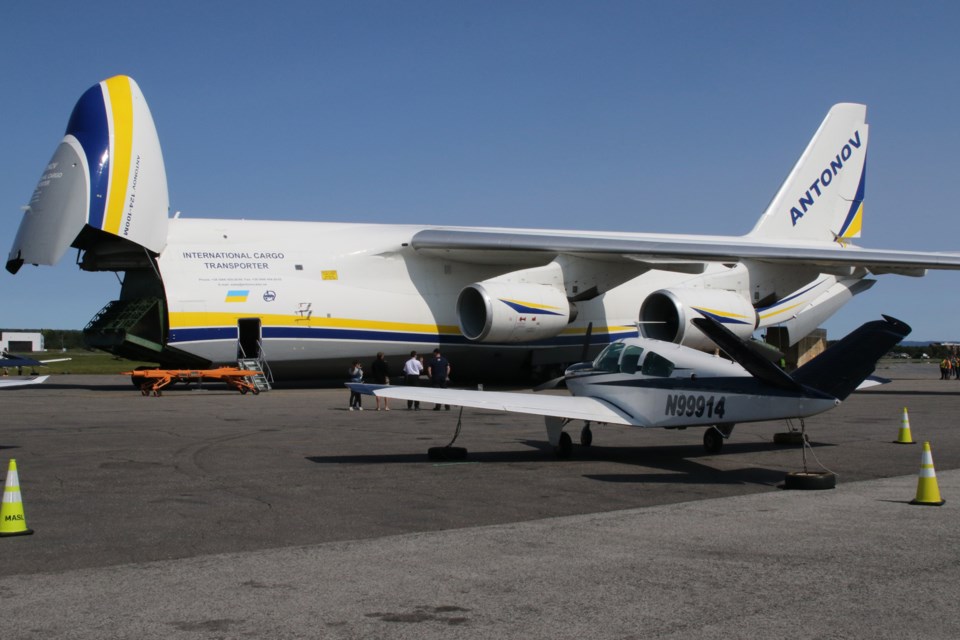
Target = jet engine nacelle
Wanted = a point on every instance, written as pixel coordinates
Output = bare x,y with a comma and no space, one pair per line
666,315
512,312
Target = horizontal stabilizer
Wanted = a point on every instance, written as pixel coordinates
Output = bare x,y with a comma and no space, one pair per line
872,381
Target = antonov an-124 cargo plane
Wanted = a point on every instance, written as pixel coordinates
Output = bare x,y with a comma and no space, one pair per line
310,296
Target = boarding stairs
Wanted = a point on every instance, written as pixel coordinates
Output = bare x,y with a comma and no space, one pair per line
263,378
128,328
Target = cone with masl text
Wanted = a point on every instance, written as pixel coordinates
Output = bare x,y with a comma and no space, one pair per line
928,493
12,520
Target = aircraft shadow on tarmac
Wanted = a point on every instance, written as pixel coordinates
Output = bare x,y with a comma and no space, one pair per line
677,464
890,392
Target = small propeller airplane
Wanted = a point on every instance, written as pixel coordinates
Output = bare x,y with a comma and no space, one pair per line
9,360
642,382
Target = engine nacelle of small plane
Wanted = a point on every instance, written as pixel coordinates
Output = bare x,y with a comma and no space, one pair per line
666,315
512,312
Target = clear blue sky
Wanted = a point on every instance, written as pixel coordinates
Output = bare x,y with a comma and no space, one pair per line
637,116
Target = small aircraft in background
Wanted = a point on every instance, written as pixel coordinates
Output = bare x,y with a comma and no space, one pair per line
6,383
643,382
9,361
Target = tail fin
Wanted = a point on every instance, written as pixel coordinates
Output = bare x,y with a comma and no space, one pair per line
822,198
106,175
841,368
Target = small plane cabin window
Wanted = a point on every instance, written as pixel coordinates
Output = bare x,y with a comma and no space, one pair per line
656,365
609,358
630,359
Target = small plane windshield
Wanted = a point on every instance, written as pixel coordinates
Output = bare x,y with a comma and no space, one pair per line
630,359
656,365
619,357
609,357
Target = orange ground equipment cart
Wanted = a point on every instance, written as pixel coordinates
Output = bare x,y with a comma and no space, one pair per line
154,380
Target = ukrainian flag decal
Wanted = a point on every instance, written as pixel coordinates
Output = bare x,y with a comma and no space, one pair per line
237,295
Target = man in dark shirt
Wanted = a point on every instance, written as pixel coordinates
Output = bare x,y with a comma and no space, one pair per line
438,370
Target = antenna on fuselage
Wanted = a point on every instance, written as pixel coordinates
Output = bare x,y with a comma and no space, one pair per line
585,352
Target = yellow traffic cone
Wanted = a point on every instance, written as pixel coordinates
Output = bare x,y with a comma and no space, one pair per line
12,522
928,493
905,436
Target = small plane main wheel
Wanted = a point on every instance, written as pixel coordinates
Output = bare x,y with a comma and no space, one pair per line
255,391
712,440
790,437
243,391
565,446
447,453
810,481
586,436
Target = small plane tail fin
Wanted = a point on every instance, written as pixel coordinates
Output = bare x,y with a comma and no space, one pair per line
822,197
106,180
840,369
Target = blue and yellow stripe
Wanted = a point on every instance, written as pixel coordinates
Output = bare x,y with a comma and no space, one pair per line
102,122
726,317
531,307
789,303
186,327
853,222
120,121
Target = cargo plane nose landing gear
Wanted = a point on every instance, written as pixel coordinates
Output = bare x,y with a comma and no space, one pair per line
714,436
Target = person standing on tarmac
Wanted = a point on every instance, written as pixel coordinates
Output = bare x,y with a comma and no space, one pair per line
412,369
355,374
438,369
381,375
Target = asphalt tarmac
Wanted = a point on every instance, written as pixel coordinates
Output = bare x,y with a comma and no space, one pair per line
207,514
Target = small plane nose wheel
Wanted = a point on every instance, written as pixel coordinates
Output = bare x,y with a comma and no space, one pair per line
714,436
586,435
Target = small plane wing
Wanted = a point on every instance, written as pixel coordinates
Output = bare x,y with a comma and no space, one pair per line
21,382
572,407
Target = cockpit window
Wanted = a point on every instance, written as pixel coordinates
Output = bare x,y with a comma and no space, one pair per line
657,365
608,358
630,359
